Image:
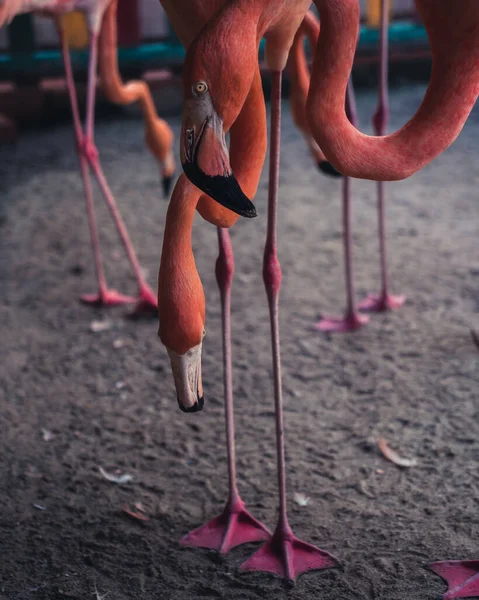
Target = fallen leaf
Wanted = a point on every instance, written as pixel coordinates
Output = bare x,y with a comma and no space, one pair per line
47,435
379,472
363,488
139,516
301,499
393,456
125,478
98,326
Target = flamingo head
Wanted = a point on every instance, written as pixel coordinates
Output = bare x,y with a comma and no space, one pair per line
214,93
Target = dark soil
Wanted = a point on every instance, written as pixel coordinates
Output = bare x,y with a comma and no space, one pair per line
410,376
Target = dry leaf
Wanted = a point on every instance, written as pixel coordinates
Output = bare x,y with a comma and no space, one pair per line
125,478
47,435
98,326
301,499
139,516
363,488
393,456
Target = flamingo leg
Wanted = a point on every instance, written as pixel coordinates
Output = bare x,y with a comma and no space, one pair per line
352,320
462,577
284,555
383,301
105,296
235,525
147,301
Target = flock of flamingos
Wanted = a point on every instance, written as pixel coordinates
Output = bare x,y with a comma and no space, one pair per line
223,93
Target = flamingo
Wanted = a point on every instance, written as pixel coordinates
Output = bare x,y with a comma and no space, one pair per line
88,154
158,134
352,320
384,300
218,75
181,302
451,94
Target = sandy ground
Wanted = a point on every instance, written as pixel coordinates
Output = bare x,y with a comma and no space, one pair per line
411,376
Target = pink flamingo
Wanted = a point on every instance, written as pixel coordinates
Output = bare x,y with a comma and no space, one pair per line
88,154
385,300
451,94
181,302
218,75
352,320
158,134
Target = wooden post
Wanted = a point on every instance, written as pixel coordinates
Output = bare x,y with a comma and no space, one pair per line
374,12
76,31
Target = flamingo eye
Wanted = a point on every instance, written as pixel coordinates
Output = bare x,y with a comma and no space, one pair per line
200,88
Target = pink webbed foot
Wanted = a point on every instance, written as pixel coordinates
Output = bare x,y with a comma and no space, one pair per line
351,322
107,298
146,304
462,577
287,556
235,526
375,303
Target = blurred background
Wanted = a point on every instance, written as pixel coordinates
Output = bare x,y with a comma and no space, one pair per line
32,84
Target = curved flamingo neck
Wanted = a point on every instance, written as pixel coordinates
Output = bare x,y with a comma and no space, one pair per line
178,225
158,135
453,31
181,302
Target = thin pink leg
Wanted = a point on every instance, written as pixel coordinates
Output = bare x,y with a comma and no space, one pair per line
284,555
462,577
352,320
235,525
384,301
147,301
105,296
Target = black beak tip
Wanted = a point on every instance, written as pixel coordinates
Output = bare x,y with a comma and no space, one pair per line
327,168
222,188
197,406
166,184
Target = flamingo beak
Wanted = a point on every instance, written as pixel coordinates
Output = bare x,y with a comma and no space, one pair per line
205,159
166,182
167,173
186,370
327,168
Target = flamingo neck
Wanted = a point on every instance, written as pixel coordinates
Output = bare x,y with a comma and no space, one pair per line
181,303
177,249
